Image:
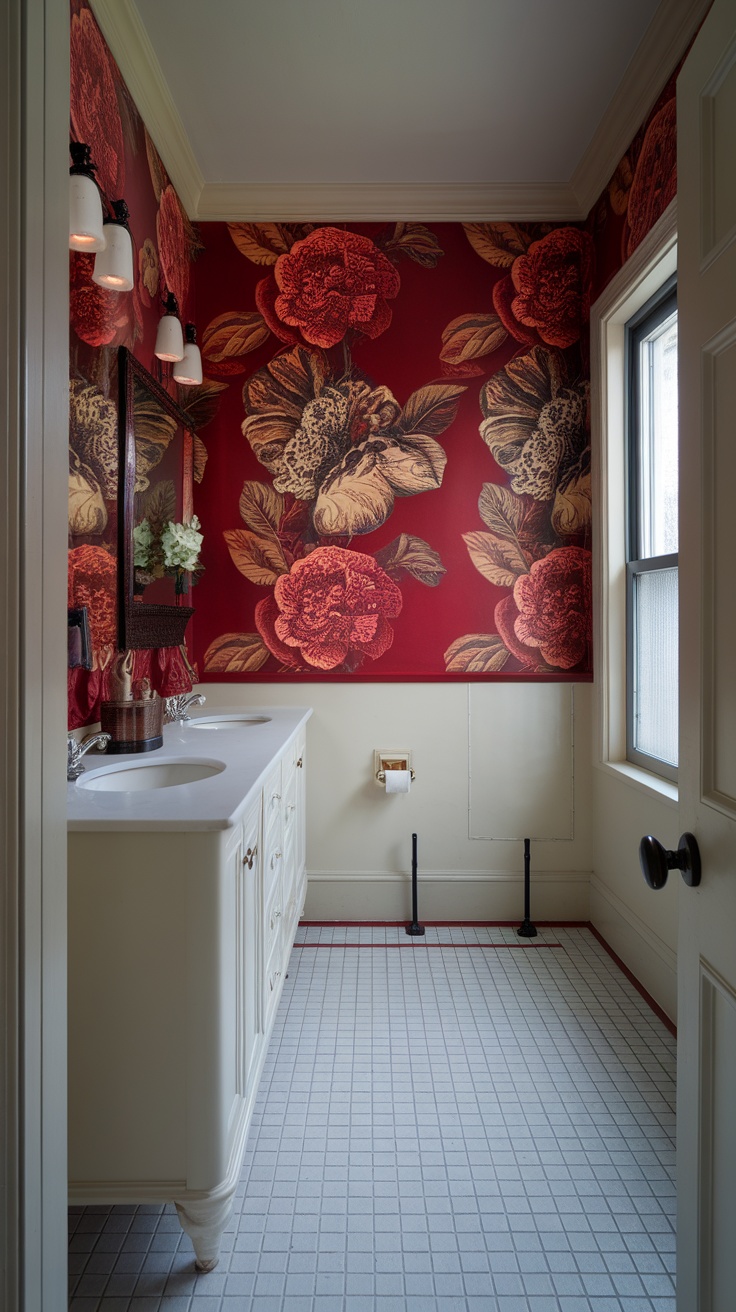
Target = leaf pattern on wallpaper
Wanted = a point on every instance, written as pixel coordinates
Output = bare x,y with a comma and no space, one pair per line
359,494
87,509
261,508
431,409
154,429
236,653
411,555
412,464
499,560
159,505
470,336
159,176
417,242
262,243
476,653
200,404
260,559
498,243
199,458
571,512
233,334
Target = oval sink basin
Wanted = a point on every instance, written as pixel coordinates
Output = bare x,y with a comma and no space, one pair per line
227,721
135,778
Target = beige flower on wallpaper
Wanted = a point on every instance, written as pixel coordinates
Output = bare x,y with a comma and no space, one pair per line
148,267
536,424
341,444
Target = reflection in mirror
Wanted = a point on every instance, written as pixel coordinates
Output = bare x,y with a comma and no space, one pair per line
79,641
155,489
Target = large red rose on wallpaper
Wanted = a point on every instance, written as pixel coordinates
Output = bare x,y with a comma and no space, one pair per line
173,245
553,605
92,582
94,104
328,283
546,295
333,607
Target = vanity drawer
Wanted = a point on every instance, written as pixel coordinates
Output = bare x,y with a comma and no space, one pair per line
251,829
272,801
273,861
273,916
273,981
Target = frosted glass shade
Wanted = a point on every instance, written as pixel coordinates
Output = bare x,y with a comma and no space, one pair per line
86,232
169,339
188,371
114,264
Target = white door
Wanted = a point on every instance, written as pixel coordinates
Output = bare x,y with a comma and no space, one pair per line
706,119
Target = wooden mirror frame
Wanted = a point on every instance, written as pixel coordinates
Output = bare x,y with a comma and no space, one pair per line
142,624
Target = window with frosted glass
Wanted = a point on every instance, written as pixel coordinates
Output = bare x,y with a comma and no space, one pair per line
652,656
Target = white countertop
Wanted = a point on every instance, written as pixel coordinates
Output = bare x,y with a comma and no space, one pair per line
246,751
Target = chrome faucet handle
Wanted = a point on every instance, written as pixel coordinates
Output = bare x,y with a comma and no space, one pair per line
75,751
175,708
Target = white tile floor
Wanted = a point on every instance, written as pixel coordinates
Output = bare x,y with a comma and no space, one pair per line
443,1125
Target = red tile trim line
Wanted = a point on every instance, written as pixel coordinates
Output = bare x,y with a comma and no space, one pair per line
420,943
488,924
659,1013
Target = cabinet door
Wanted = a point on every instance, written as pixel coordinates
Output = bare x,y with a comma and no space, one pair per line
296,821
250,974
273,831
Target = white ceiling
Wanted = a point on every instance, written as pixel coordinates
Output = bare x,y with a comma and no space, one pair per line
463,94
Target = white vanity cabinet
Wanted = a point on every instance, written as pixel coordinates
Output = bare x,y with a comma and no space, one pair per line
179,943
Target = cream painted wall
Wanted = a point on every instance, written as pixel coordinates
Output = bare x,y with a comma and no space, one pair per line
359,839
639,924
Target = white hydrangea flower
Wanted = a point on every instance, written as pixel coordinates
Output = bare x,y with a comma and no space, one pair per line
142,541
181,544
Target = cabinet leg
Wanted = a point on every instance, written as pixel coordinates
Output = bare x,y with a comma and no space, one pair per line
204,1220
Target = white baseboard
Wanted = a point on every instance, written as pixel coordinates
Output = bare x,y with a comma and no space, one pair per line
446,895
652,961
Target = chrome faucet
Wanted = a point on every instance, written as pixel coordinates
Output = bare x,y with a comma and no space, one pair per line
175,708
75,751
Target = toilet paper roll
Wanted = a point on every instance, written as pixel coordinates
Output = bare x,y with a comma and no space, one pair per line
398,781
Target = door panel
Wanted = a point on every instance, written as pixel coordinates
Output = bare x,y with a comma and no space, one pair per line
706,117
718,1145
719,637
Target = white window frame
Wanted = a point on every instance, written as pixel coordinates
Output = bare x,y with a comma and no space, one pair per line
653,262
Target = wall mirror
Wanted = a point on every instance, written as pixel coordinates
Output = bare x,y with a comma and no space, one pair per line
155,486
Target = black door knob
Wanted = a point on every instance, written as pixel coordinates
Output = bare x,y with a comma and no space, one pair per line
656,861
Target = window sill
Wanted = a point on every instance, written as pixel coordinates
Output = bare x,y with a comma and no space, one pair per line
643,780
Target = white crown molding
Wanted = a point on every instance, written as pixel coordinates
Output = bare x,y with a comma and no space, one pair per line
665,40
122,28
367,201
663,44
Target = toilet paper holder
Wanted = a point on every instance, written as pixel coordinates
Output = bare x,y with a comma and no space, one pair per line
383,761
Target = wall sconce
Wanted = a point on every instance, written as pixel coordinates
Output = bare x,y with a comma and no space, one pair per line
188,371
169,338
114,264
85,204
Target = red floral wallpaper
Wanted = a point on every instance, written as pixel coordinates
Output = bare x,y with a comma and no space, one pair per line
398,483
399,478
128,166
398,451
642,186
